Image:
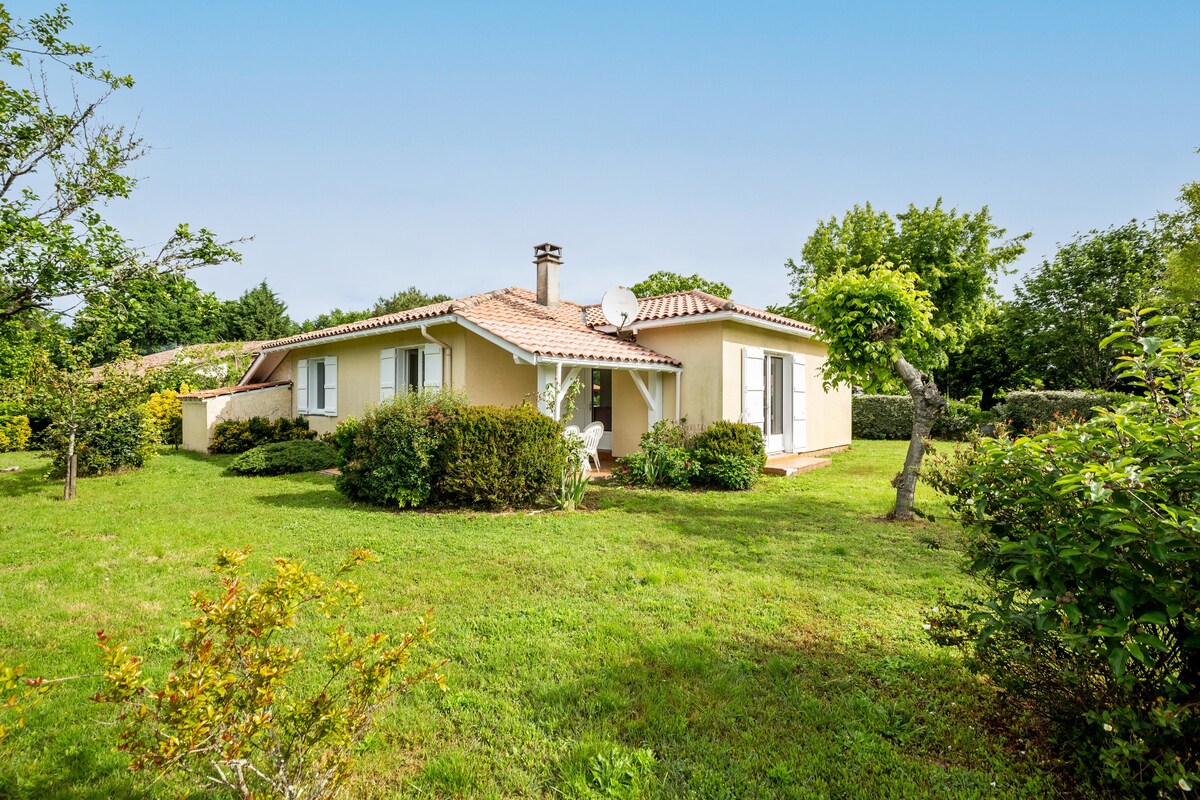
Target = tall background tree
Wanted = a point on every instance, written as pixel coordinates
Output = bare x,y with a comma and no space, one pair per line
149,313
257,314
894,297
668,282
60,163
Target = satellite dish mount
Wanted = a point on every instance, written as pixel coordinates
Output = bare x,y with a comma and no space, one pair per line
620,308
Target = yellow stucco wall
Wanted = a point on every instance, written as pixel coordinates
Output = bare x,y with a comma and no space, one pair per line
828,412
495,379
200,417
698,346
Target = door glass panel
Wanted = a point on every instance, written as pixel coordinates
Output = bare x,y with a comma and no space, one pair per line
773,396
320,385
602,397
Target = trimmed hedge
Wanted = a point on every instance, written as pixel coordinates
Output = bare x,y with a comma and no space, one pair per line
282,458
240,435
1029,411
14,432
499,457
433,449
889,416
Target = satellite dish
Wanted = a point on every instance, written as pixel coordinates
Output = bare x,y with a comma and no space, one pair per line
619,306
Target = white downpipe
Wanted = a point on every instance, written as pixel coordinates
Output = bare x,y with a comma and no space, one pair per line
447,356
678,392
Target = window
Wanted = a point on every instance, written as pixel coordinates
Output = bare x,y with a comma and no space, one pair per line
411,369
317,386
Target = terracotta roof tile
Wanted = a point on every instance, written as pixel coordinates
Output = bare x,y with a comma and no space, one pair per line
513,314
250,387
695,302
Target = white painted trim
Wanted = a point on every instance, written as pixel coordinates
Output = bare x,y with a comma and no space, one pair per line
287,386
601,364
713,316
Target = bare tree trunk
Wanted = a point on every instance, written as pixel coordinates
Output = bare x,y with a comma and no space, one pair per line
928,405
72,468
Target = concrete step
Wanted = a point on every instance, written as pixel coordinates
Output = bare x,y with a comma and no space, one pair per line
789,465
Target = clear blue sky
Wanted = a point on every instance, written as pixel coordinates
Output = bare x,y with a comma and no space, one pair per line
370,146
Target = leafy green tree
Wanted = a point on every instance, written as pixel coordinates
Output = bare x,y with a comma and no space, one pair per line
894,297
21,341
257,314
60,164
988,362
1071,302
150,312
1180,230
669,282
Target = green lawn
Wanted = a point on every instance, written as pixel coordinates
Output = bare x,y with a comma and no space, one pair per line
761,644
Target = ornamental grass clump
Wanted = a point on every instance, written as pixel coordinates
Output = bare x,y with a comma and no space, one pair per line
1086,541
246,709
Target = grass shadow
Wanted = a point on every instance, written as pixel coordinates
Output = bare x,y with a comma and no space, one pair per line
26,481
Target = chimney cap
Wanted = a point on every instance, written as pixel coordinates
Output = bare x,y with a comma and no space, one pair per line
547,252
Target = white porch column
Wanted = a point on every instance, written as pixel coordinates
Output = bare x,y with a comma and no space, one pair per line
546,376
651,391
550,376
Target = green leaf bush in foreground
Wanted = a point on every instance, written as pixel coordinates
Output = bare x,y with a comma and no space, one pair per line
282,458
240,435
246,708
726,455
1086,539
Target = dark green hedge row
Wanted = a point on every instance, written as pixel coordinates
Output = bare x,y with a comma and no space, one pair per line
240,435
1026,411
886,416
889,416
433,449
283,458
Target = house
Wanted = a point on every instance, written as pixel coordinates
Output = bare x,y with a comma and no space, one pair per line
687,355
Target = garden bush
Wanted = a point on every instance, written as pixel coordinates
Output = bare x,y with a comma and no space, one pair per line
730,454
388,457
889,416
14,432
1029,411
124,438
498,458
664,458
282,458
240,435
165,409
1086,541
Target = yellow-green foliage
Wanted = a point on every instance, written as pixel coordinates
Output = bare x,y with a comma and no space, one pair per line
14,433
165,410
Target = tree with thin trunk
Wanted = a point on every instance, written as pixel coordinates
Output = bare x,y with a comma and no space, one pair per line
894,297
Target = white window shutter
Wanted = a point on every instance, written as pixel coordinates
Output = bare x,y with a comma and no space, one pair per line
331,386
753,385
433,366
799,403
387,374
302,386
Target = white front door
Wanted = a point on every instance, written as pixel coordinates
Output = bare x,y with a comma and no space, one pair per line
774,417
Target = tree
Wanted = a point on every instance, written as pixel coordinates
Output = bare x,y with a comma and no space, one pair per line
988,362
257,314
1071,302
59,165
893,301
669,282
151,312
1180,231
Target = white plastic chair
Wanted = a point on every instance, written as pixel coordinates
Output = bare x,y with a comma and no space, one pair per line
591,441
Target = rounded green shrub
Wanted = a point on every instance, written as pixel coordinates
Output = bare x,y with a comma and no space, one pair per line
730,455
282,458
122,439
14,432
240,435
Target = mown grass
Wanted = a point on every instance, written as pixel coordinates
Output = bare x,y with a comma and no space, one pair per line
759,644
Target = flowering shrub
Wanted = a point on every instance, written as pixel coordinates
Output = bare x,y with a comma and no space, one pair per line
237,711
1086,538
664,459
726,455
165,410
14,432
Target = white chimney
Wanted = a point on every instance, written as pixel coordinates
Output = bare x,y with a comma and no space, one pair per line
548,258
